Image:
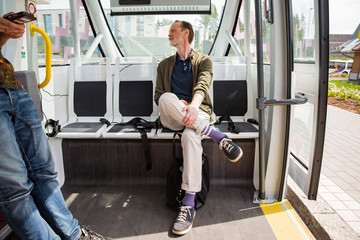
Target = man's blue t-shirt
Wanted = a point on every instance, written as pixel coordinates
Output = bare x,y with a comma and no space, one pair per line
181,79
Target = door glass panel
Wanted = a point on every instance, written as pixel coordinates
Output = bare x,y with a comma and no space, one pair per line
304,30
305,80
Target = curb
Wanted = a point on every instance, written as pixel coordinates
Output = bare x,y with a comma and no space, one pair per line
323,222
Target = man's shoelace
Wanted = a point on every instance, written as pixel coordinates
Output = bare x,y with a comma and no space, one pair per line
184,210
224,144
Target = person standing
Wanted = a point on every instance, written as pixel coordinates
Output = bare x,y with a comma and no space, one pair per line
31,201
182,94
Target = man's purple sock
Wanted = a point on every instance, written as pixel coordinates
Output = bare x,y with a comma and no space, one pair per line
212,133
189,200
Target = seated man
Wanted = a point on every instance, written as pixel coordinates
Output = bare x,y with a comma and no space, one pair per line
182,93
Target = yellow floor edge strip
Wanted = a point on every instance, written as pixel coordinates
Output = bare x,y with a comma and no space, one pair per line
299,220
285,222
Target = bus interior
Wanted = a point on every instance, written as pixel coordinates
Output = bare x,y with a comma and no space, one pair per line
98,62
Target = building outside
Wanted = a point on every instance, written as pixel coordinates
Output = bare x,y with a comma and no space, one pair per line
336,40
355,72
349,49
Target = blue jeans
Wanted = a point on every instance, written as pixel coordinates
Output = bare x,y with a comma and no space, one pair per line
30,198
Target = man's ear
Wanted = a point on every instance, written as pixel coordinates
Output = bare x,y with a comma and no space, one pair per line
186,33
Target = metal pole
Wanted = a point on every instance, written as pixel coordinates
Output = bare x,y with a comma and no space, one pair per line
260,102
75,29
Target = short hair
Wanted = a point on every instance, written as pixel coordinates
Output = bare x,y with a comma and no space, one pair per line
187,25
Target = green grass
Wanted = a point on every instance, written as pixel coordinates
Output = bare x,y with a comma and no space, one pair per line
344,90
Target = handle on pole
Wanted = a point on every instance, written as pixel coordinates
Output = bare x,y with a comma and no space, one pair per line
34,29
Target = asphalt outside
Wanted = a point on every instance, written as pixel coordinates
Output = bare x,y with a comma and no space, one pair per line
336,213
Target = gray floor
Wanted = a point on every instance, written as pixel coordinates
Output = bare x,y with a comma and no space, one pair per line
140,212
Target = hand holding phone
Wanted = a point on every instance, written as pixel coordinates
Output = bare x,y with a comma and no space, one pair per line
10,29
21,17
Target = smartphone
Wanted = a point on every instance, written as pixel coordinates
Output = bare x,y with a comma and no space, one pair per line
21,17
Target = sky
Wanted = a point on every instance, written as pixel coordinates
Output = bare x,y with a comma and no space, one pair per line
344,14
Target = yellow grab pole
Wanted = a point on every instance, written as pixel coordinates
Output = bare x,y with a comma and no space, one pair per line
34,29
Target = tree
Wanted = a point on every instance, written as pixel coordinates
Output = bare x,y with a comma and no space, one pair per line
165,22
299,26
210,22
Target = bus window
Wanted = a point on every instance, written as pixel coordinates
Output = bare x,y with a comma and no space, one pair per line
304,30
147,35
55,20
239,34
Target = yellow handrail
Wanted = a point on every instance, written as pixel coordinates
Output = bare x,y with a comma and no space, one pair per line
34,29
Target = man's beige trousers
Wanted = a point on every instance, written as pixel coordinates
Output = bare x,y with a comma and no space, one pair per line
171,116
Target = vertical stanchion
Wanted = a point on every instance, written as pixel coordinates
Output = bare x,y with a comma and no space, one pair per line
260,101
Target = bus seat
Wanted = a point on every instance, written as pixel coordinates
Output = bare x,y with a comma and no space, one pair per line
230,96
123,146
133,96
28,80
90,98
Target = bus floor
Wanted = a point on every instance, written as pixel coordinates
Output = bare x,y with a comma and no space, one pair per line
140,212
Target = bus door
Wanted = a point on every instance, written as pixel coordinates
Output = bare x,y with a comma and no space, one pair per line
309,78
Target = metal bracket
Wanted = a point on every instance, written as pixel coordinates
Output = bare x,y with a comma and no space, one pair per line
260,103
256,198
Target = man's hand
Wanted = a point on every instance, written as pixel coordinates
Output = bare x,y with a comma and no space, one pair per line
191,115
192,110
